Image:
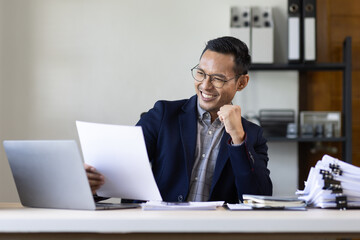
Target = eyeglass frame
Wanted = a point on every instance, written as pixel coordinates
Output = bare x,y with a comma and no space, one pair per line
211,76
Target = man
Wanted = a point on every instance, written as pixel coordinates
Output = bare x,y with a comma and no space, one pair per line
201,149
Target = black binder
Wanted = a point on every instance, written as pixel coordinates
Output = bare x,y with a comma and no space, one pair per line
295,53
309,30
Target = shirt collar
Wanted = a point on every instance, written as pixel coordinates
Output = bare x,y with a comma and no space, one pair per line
201,112
206,117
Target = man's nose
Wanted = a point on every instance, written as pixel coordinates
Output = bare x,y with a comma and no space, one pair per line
207,83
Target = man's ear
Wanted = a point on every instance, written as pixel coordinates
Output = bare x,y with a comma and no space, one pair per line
243,81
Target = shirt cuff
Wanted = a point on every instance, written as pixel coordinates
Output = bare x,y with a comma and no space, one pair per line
237,145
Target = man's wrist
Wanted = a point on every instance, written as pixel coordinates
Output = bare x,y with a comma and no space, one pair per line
238,139
237,142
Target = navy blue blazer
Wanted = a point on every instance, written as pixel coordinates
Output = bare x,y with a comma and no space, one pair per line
170,131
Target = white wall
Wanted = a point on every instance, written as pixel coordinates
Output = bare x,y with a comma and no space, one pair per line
269,90
109,60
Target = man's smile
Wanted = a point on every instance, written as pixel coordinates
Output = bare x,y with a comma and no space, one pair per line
207,97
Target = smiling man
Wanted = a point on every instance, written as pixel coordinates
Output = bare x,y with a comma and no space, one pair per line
201,149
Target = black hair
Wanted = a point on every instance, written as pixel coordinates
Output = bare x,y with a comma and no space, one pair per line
234,46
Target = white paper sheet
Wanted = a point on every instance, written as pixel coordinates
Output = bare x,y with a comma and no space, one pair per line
157,205
119,153
238,206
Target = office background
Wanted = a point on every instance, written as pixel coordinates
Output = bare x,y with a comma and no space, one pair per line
109,60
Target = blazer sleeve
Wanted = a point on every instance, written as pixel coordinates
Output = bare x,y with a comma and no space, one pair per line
249,163
150,123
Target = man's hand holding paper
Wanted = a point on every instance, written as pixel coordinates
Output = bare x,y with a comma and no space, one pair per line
96,179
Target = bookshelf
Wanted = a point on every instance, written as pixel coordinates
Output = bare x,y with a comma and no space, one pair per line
346,67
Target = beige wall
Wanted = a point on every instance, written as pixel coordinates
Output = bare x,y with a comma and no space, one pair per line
109,60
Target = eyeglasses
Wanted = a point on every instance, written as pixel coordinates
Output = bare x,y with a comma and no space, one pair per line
217,80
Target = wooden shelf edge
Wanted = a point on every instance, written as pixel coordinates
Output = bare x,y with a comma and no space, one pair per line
299,67
306,139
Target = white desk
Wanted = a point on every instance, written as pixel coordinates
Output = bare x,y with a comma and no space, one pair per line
15,221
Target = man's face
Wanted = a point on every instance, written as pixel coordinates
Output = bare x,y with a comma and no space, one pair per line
209,97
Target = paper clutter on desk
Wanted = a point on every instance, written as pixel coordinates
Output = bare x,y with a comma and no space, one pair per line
332,183
260,202
158,205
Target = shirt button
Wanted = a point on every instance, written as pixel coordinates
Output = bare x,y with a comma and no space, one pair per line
180,198
203,155
210,132
196,179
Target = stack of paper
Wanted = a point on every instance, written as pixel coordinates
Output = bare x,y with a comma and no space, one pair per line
273,202
332,184
158,205
268,202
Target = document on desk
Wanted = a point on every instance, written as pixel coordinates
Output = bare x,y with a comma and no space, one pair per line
242,206
238,206
332,183
259,202
119,153
158,205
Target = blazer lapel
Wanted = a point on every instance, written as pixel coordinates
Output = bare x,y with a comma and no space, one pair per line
223,156
188,131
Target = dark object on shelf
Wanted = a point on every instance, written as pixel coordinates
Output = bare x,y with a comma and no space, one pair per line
307,130
275,121
291,130
325,123
319,130
329,130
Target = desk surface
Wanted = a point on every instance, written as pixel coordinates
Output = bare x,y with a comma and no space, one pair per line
15,218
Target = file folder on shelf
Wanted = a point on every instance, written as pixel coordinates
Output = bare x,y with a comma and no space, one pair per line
309,24
240,24
294,31
332,184
262,35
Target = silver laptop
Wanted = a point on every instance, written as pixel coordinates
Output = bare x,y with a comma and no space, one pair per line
51,174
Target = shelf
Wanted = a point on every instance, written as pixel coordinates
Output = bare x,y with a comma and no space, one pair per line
346,68
299,67
306,139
